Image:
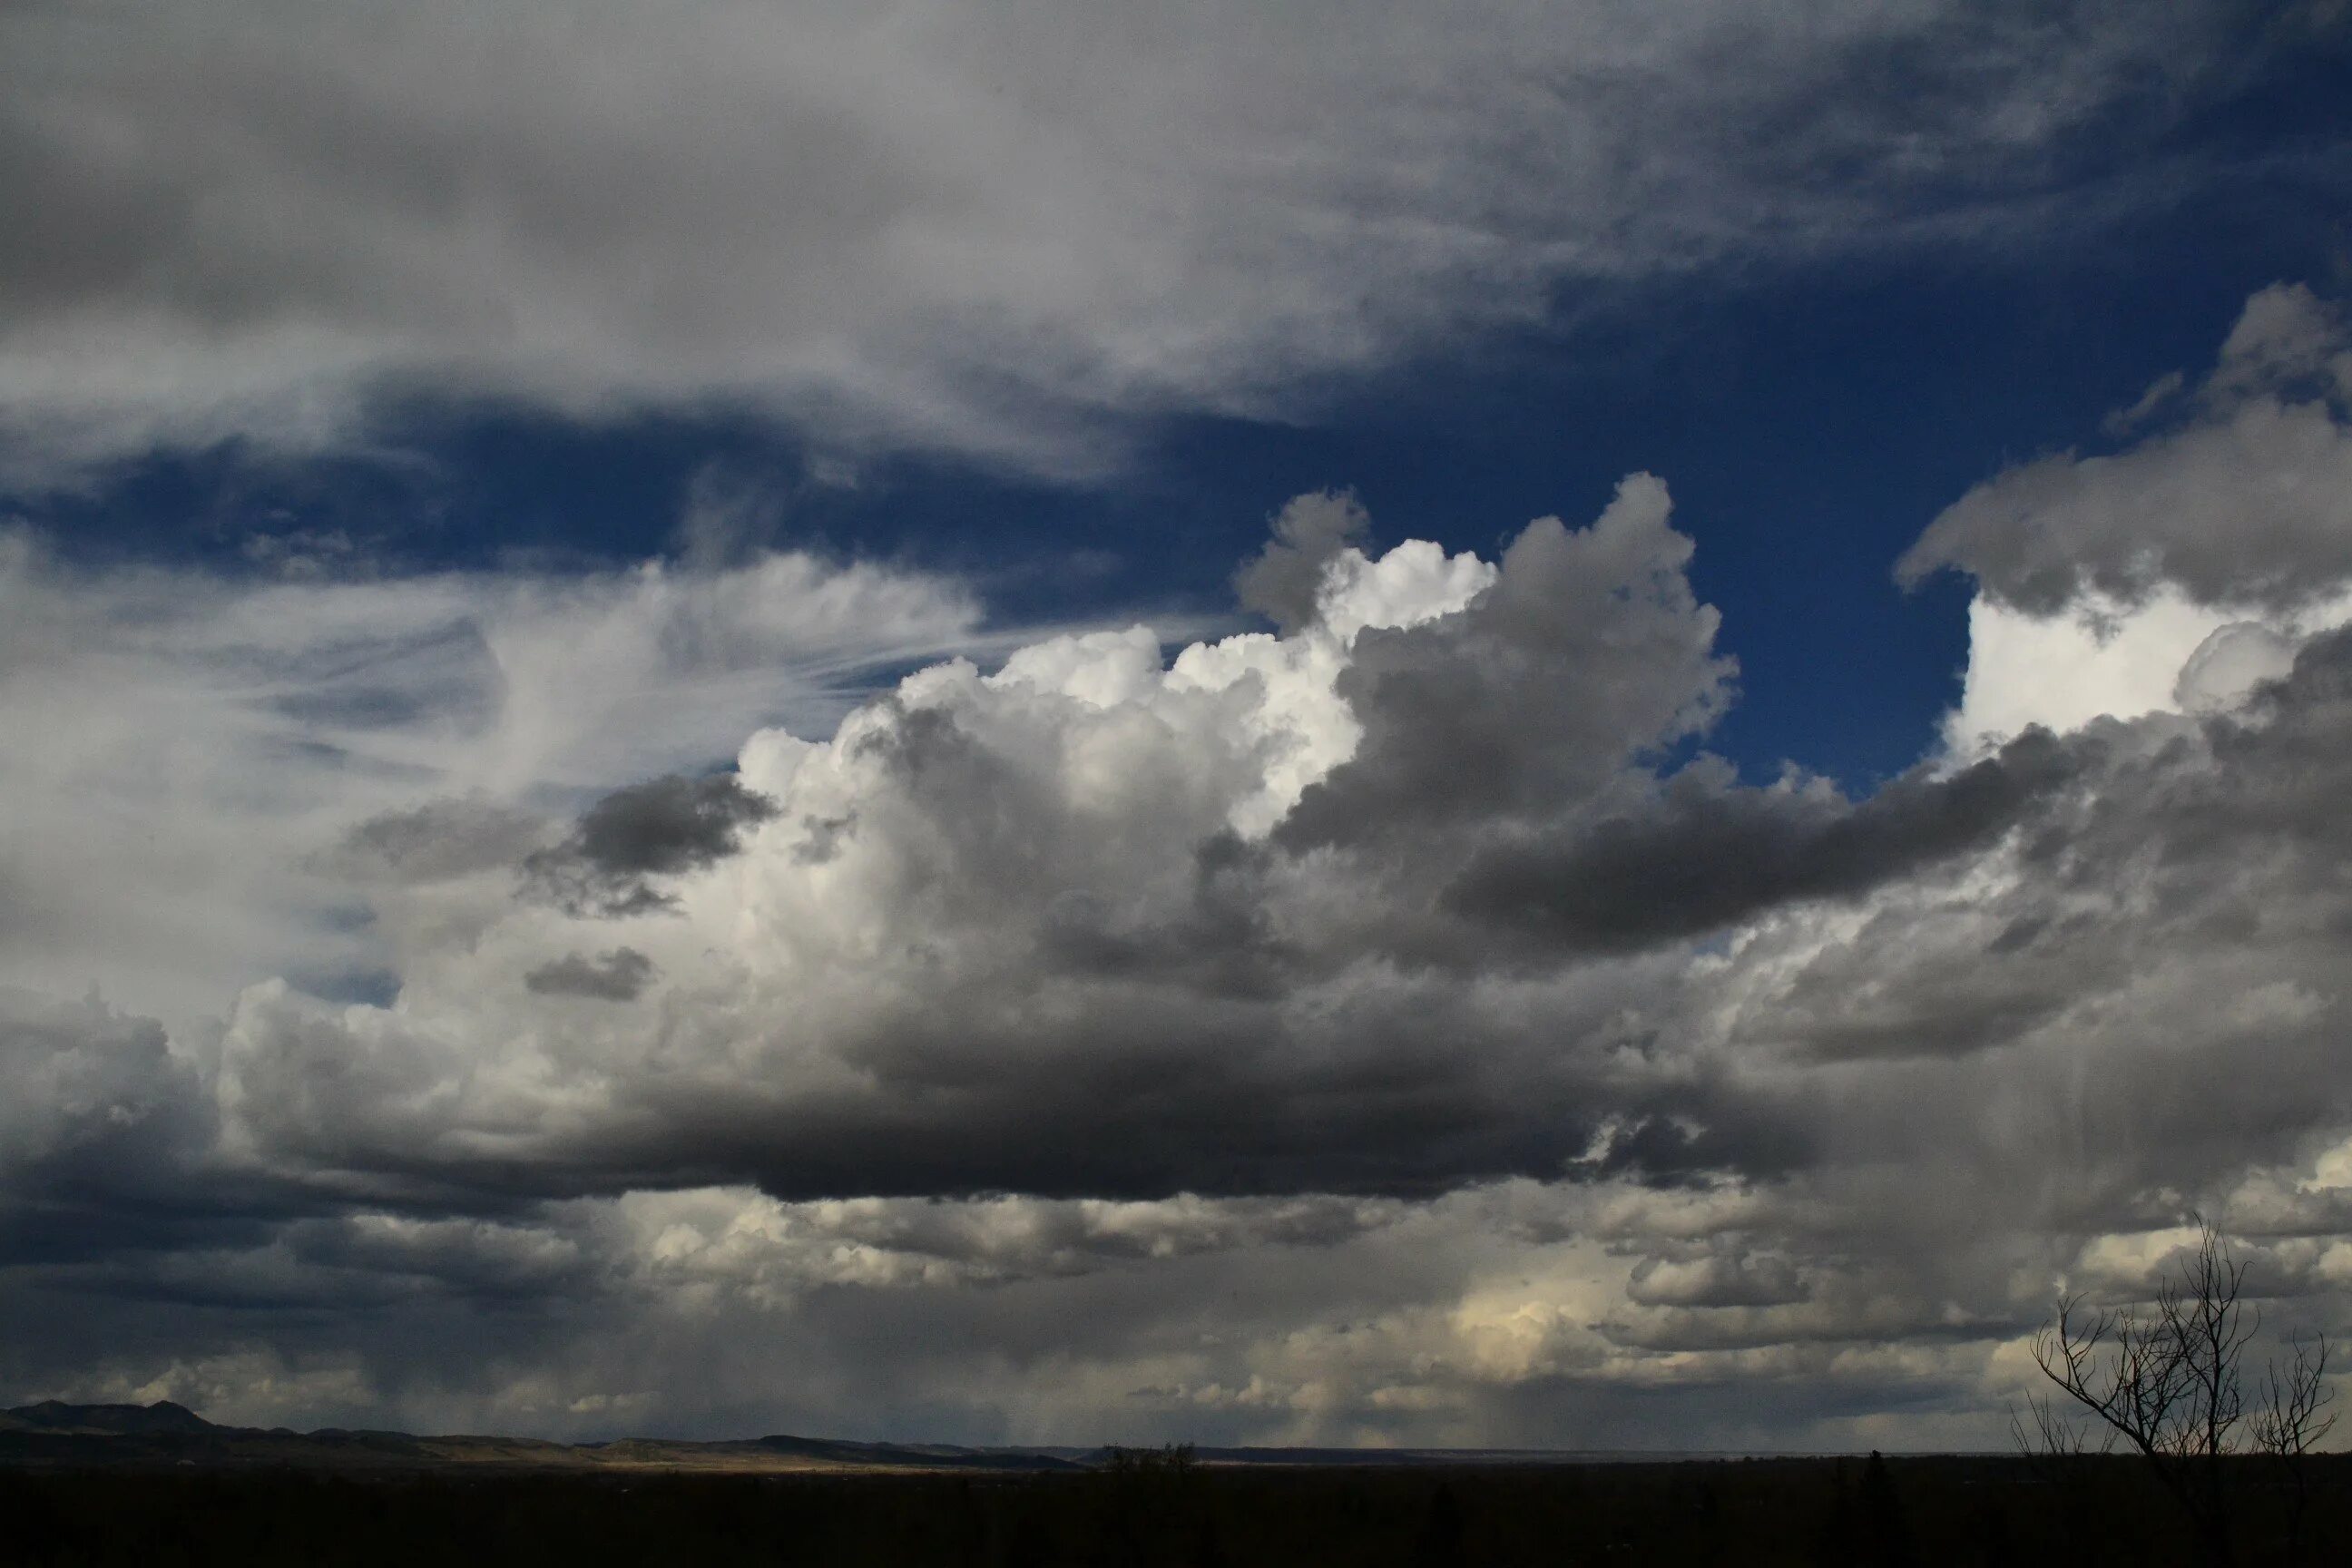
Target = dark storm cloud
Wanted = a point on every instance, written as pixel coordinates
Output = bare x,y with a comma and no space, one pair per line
1421,979
1587,650
1133,1094
494,1260
2151,851
1901,987
660,828
2176,935
2284,767
1707,853
1051,967
96,1103
619,975
104,1133
1221,944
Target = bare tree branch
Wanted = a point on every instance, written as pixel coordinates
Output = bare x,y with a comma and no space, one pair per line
2170,1385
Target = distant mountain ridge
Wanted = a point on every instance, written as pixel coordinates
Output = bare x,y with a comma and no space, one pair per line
108,1420
57,1434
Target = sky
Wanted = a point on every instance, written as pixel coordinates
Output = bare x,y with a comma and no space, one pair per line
1591,725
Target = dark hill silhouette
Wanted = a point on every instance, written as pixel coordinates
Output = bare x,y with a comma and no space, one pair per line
55,1433
106,1420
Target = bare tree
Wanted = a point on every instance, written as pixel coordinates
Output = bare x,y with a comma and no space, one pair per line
2045,1431
2293,1419
2169,1383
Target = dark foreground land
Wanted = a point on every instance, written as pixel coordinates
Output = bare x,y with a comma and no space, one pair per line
1149,1511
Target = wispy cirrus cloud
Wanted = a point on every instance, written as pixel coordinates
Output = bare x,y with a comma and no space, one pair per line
228,761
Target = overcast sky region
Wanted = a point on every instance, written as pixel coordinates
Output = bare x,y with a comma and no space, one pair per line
1601,725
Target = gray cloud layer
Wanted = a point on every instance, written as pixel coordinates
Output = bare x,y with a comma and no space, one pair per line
1705,854
621,974
978,231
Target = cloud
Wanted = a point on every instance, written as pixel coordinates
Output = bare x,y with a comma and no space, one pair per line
1716,1277
994,234
1587,648
1394,1026
661,827
2230,666
1708,854
1036,931
297,776
2247,505
2160,392
620,975
1282,581
2178,572
98,1102
438,841
1098,923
